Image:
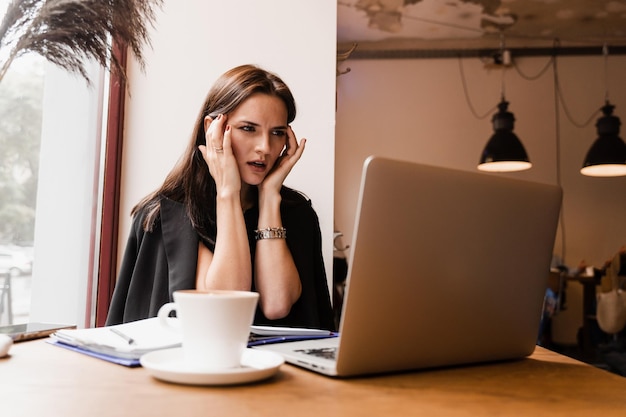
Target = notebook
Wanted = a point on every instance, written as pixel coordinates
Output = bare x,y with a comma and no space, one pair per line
446,268
125,343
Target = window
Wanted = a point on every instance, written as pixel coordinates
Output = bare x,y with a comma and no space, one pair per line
21,98
50,182
52,191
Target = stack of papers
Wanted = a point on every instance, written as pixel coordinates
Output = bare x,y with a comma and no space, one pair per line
125,343
122,343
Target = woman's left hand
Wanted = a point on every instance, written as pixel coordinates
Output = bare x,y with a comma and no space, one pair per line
285,163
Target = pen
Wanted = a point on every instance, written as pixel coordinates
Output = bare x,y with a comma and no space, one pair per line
258,341
129,339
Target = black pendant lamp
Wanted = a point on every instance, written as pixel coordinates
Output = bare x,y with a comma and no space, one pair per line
607,155
504,152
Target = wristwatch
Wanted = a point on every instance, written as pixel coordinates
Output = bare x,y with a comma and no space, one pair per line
271,233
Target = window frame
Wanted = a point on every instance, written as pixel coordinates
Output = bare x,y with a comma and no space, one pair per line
109,230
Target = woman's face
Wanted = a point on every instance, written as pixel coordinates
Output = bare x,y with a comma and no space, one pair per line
259,134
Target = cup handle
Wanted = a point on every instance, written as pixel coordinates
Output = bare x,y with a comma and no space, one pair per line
165,320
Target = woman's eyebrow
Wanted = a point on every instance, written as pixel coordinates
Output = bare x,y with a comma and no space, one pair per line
248,122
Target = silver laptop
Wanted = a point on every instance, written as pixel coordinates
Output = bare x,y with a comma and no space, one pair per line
446,268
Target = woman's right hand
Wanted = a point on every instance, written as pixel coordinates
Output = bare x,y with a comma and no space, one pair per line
228,266
219,157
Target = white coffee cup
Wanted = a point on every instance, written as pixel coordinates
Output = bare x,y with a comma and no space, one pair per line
215,326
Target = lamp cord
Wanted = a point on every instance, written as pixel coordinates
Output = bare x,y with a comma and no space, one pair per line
605,52
559,91
557,128
467,97
502,83
538,75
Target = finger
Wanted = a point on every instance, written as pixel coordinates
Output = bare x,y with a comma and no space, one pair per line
300,149
214,128
292,143
226,143
209,127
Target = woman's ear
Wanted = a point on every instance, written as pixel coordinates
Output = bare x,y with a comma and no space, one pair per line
207,123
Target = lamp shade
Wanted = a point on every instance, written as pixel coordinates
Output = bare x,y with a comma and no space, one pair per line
504,151
607,155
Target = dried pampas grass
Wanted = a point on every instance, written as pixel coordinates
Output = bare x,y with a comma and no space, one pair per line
69,32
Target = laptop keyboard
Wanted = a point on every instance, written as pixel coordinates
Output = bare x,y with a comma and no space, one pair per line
326,353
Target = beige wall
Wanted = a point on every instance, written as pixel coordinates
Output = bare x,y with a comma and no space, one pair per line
416,110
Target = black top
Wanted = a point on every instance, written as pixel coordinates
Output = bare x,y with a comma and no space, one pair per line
157,263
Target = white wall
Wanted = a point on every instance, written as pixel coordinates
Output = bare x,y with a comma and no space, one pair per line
196,41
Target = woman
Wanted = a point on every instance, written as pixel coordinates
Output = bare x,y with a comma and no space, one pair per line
223,218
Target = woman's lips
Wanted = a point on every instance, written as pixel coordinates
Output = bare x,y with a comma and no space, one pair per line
258,166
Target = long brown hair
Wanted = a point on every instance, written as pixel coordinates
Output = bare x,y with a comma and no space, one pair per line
190,181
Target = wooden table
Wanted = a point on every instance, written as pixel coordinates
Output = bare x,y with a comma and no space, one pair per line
39,379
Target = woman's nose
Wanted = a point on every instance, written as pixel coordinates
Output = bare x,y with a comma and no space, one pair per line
263,144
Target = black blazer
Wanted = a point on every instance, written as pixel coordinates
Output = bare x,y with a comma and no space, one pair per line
157,263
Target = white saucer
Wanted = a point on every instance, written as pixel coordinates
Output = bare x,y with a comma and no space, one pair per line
168,365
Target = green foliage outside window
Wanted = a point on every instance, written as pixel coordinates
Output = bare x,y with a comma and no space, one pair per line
21,94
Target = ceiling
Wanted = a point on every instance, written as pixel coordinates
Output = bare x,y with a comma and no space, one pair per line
384,28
